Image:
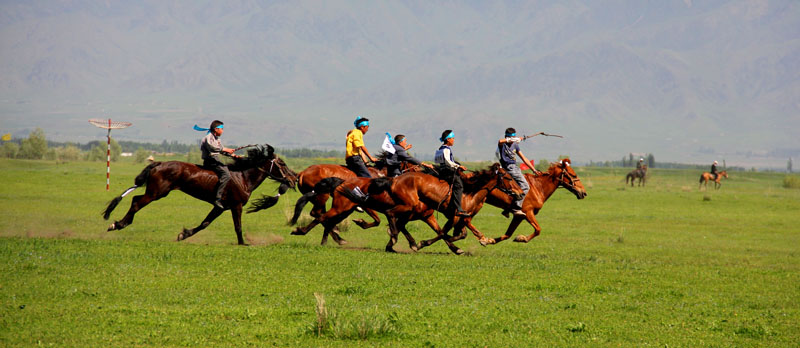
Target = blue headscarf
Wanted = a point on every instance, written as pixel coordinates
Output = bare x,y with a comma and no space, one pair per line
200,129
360,121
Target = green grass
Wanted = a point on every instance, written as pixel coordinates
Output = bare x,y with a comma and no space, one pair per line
659,265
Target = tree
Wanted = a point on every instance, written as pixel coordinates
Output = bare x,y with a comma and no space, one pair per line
542,165
630,159
68,153
789,165
651,161
194,156
35,146
140,155
9,150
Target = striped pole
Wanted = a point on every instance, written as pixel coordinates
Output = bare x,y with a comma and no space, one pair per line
108,157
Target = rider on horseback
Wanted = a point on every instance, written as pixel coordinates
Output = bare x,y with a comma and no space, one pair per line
639,164
714,170
508,147
355,144
396,159
211,148
448,170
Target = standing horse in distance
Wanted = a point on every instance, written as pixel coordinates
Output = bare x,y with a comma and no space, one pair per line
706,176
246,175
641,174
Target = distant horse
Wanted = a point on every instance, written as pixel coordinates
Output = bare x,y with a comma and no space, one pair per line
411,196
246,175
542,187
706,176
637,173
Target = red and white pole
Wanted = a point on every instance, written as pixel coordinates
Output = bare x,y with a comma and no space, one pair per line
108,157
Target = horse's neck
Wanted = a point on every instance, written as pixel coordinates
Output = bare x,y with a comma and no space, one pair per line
478,197
546,185
252,178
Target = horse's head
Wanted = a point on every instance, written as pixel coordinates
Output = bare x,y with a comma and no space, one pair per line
265,158
724,174
563,172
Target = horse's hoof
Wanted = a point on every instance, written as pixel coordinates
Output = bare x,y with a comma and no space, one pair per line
492,241
180,237
415,248
459,252
112,227
390,250
484,241
521,239
297,232
341,242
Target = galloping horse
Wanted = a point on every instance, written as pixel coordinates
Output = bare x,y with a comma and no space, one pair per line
637,173
542,187
312,175
246,175
411,196
706,176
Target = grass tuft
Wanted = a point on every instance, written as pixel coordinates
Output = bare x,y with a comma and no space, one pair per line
792,182
579,327
332,325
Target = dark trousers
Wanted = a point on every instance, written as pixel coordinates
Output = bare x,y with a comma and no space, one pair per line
392,171
222,172
356,164
452,177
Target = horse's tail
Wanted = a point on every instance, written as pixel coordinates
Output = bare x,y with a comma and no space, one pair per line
266,202
629,176
376,186
141,180
701,178
324,186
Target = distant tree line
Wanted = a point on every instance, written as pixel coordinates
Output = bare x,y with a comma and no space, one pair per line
36,146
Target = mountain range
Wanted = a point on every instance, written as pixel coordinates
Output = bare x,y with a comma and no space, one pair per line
688,81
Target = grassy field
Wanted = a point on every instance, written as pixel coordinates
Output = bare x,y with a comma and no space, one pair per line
663,265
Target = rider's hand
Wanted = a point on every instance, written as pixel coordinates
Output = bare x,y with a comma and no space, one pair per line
513,140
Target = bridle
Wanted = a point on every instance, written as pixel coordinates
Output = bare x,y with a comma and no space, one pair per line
571,181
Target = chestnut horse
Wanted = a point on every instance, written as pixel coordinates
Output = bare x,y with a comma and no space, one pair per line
543,186
706,176
411,196
637,173
246,175
312,175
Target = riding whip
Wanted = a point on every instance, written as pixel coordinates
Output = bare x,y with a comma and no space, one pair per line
526,137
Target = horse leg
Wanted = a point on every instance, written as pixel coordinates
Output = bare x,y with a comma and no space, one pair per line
510,230
392,234
440,232
336,236
236,213
318,205
213,214
536,229
302,230
411,242
375,220
137,203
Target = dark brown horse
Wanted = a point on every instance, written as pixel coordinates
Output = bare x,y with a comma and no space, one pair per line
706,176
411,196
640,173
246,175
543,186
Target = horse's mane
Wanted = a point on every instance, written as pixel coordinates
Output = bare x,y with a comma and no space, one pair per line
255,158
382,156
478,178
